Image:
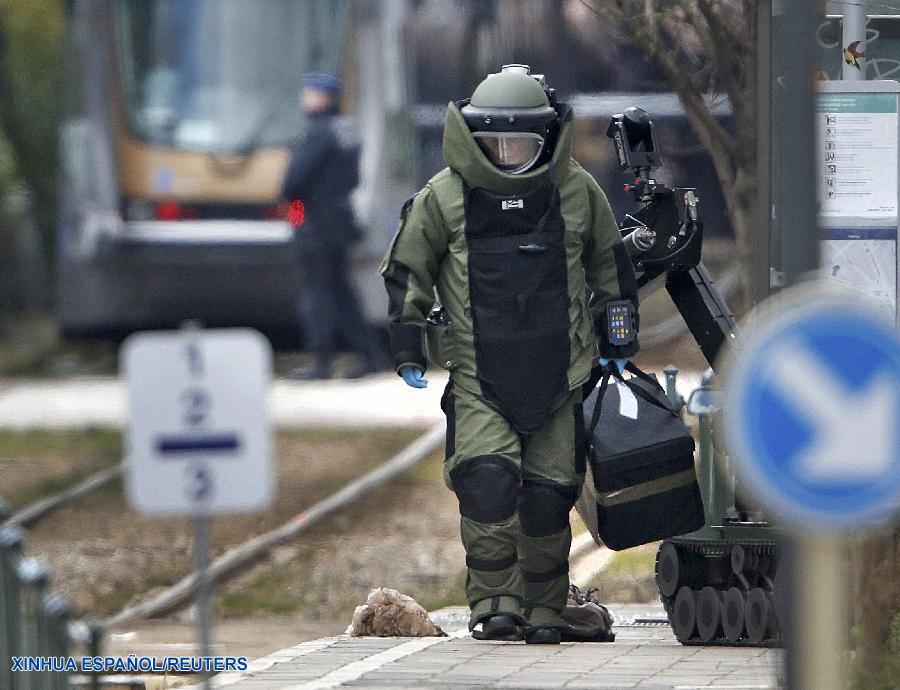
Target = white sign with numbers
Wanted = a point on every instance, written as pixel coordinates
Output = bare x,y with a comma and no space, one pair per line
198,440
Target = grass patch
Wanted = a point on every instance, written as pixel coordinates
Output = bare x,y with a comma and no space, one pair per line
103,546
577,524
629,577
380,438
33,350
77,454
44,489
19,445
880,673
273,591
129,591
42,463
633,562
455,597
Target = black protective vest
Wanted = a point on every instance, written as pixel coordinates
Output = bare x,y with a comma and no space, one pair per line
518,288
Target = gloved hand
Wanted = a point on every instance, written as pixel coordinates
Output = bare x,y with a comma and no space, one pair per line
413,376
619,363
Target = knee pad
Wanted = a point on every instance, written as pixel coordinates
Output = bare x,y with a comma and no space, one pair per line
544,506
487,487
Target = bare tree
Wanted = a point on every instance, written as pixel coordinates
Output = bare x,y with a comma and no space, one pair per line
706,50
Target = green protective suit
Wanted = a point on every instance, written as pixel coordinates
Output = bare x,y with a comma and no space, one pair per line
523,266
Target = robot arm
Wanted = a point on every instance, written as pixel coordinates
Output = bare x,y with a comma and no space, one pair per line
665,235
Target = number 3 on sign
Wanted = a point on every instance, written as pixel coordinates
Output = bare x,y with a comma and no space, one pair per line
200,484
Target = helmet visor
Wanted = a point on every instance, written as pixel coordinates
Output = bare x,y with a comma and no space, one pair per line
511,152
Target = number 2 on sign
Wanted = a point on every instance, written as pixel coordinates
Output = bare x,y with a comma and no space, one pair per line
197,404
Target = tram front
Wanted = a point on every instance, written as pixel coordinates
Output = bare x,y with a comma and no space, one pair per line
173,155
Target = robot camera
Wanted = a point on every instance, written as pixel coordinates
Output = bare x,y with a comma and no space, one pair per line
635,140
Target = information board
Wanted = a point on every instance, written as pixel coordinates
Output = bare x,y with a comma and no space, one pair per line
857,169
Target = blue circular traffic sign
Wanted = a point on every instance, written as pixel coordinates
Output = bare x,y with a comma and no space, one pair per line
812,417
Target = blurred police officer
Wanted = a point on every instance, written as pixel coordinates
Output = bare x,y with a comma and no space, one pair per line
524,251
323,171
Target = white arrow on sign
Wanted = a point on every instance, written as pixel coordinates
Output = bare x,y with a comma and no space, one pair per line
854,435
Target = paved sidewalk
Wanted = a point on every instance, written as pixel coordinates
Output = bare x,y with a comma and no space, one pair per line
380,400
643,656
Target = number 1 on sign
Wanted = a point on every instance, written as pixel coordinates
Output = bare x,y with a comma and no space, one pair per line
195,359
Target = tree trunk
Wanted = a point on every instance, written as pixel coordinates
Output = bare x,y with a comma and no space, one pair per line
741,202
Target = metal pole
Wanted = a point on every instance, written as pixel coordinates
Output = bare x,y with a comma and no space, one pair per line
854,41
671,374
34,581
818,652
56,612
201,554
11,539
796,254
707,471
794,157
761,279
95,649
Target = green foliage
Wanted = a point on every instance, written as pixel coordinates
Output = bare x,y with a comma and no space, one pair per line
8,173
30,82
893,650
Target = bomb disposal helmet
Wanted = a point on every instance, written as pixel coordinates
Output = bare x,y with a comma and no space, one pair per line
510,115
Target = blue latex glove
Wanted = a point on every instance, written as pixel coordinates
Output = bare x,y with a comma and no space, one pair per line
619,363
413,376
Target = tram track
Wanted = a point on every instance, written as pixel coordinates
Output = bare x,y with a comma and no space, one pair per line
586,558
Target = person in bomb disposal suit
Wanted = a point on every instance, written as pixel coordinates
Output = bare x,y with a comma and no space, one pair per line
323,171
522,246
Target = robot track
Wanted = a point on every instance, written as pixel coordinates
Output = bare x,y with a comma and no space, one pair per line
720,591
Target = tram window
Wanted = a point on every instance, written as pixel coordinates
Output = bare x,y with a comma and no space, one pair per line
222,75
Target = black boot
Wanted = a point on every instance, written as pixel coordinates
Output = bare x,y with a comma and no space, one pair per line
543,635
500,627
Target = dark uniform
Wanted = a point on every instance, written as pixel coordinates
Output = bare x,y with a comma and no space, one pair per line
323,171
523,265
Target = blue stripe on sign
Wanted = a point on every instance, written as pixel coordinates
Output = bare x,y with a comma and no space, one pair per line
215,443
858,233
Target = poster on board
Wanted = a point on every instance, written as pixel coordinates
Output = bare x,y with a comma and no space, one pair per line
857,170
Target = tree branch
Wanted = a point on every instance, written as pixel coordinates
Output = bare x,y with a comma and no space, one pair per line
714,137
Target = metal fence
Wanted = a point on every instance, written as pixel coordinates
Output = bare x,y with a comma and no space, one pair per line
36,634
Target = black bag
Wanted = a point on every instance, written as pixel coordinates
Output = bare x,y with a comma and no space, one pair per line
643,468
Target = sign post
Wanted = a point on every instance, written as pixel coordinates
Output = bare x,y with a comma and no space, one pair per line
812,422
199,441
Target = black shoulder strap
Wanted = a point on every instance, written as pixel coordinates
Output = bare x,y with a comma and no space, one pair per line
632,368
591,383
603,375
598,406
640,392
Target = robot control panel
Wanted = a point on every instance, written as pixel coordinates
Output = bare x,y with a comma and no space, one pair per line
620,322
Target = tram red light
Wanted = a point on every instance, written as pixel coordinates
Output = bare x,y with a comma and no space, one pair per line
169,210
296,213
